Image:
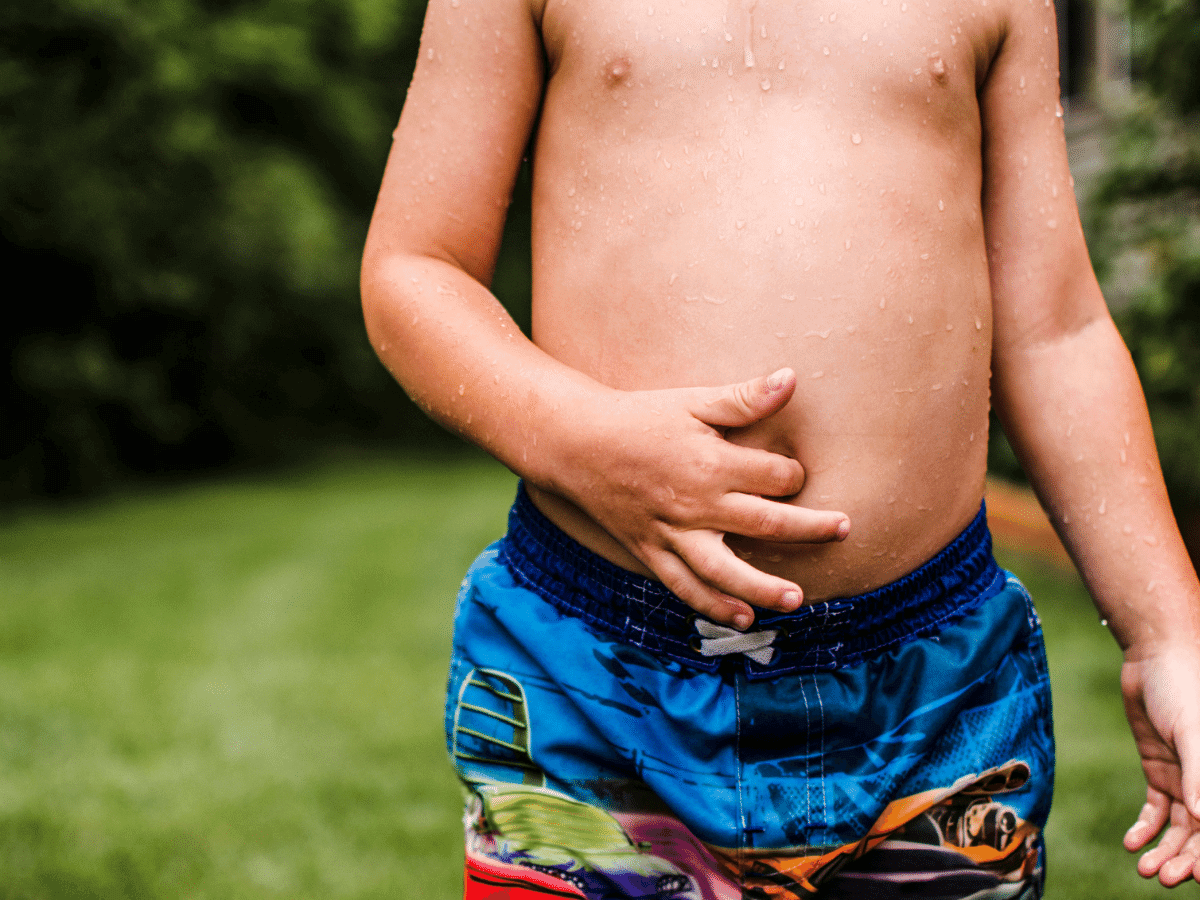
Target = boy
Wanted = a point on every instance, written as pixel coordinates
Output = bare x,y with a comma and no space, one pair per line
745,636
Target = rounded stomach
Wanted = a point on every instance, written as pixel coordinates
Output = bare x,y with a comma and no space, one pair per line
869,281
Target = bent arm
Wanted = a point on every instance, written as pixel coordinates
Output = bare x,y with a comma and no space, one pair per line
652,469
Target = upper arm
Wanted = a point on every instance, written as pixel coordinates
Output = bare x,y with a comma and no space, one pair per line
1042,282
465,125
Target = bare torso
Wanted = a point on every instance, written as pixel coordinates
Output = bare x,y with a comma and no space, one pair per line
722,189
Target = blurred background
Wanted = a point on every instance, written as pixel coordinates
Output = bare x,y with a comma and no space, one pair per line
229,544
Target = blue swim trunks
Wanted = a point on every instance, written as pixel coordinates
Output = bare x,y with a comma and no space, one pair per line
612,744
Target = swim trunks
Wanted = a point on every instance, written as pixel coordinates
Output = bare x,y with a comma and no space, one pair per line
612,744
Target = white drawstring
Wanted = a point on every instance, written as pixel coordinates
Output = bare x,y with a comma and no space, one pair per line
717,640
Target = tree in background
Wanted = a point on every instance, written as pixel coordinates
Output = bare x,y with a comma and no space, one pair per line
1146,211
184,190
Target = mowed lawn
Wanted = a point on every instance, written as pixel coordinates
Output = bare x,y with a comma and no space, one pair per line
234,690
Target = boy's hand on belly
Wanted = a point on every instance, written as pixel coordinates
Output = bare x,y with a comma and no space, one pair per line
1161,701
666,484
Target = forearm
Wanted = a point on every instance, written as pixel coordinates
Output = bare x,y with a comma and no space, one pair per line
1074,412
457,352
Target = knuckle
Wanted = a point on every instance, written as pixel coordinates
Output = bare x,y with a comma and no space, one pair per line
787,477
767,522
742,397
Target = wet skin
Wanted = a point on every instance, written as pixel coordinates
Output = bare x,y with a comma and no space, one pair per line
818,208
888,214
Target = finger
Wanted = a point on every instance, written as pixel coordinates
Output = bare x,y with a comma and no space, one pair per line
771,520
742,404
707,554
1179,868
1150,821
709,602
761,472
1172,842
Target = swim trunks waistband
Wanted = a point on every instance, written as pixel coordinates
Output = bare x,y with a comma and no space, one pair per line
641,612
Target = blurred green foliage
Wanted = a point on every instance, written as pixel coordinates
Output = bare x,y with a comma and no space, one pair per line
185,186
1145,228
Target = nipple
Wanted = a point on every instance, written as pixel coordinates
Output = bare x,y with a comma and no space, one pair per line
937,67
618,70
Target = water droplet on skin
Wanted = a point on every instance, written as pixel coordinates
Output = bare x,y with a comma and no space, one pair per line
765,84
1052,223
903,7
847,245
978,324
825,50
1022,82
741,223
864,37
883,302
570,192
1103,506
817,374
1104,623
1054,190
461,389
674,276
431,178
832,18
1151,586
1151,541
856,138
1128,529
780,65
649,10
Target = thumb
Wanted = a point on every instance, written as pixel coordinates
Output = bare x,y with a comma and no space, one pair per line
742,404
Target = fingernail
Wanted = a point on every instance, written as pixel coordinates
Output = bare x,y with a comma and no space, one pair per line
791,599
775,382
843,530
742,621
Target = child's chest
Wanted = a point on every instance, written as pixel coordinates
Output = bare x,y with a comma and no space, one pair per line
890,52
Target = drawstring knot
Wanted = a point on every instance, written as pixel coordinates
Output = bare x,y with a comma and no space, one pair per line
717,640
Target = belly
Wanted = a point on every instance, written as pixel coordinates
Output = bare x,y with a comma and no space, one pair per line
870,280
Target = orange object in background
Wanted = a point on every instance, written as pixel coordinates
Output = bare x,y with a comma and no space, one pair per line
1018,522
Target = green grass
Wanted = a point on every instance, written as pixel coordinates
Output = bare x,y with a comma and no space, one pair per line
234,690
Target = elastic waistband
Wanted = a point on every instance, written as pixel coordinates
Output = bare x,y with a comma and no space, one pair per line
834,634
